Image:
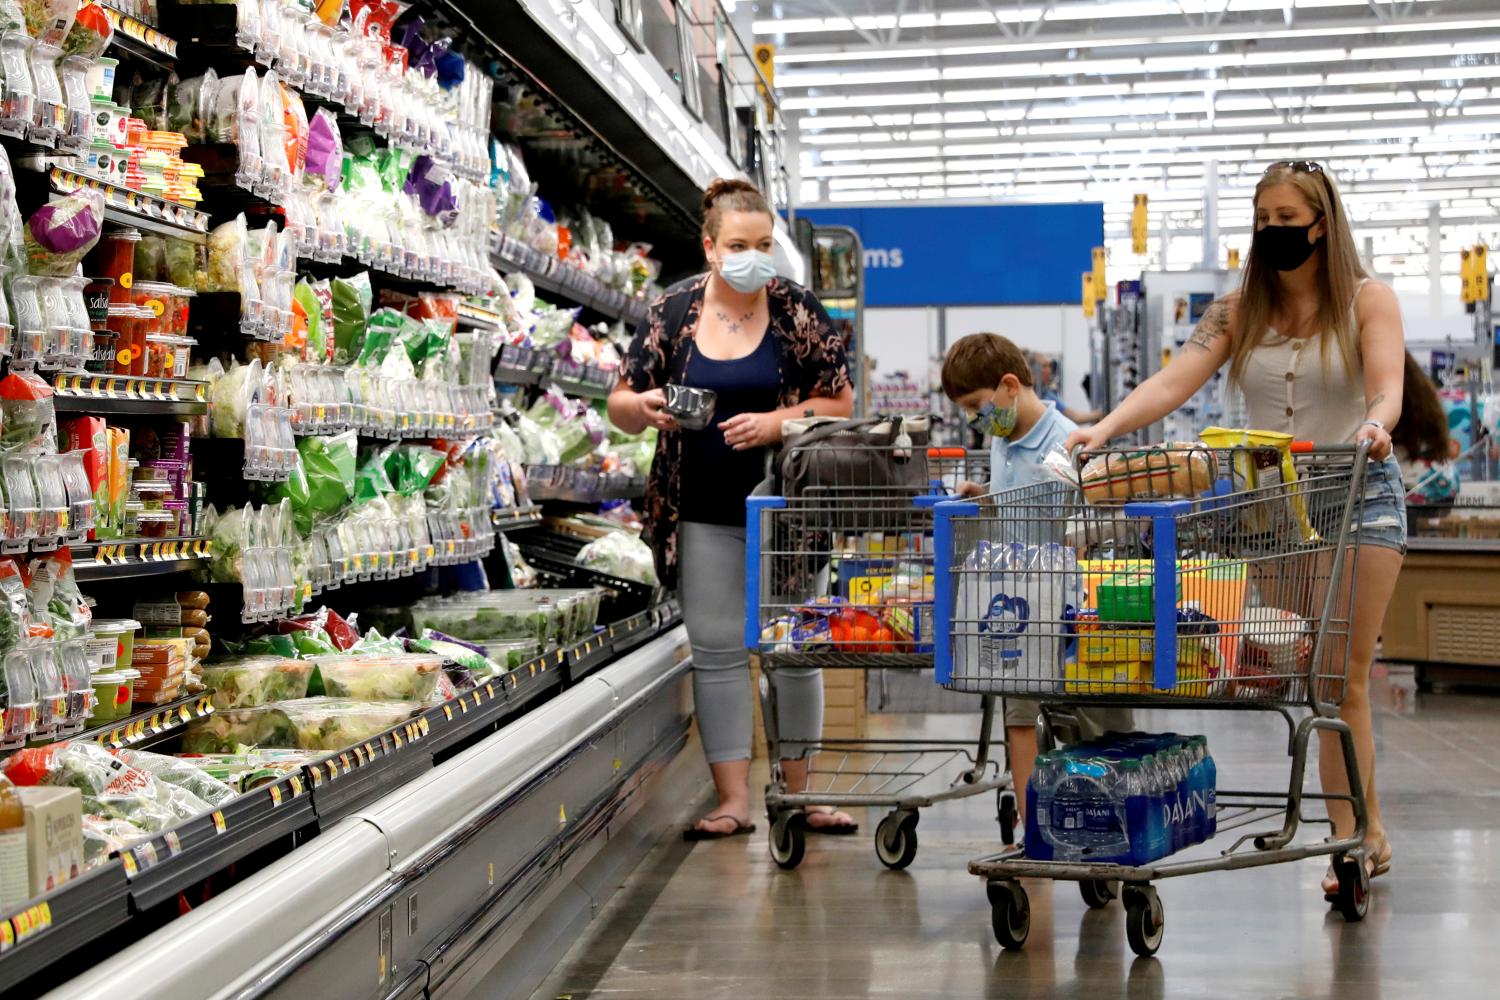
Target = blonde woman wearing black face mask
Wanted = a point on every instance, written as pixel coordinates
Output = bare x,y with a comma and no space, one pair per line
1318,350
767,348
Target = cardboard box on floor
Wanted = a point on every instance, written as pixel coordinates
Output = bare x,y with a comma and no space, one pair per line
844,706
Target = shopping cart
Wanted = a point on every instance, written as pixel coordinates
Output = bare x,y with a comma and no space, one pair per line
841,577
1239,598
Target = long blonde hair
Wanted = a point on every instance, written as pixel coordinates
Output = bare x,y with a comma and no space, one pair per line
1260,291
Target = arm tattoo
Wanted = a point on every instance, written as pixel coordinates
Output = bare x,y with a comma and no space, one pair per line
1374,403
1213,325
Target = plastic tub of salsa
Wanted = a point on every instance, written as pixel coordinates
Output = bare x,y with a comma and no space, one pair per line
115,260
128,324
156,297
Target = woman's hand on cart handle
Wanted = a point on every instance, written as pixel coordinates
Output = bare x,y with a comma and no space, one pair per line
967,489
1086,439
1379,439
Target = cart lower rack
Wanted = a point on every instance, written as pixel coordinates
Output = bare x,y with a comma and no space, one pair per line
1220,578
840,577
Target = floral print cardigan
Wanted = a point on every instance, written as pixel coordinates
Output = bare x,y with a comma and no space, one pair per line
810,358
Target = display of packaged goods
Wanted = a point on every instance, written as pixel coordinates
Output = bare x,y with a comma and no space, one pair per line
54,837
307,724
252,768
410,677
252,681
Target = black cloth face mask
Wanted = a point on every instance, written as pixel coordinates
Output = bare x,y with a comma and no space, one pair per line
1285,248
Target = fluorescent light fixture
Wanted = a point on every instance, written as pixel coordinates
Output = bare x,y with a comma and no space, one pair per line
1052,12
1195,86
1348,29
1191,63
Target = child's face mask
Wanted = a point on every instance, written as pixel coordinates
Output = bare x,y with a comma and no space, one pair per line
993,420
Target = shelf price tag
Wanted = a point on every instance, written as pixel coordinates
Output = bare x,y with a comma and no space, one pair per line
174,843
275,795
128,861
296,784
220,825
448,711
423,725
184,714
7,937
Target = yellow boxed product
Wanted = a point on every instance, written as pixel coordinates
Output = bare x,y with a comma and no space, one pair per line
54,835
1106,678
1115,645
1196,677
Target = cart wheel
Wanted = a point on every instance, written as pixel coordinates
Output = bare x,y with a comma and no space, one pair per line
896,840
1097,892
1144,919
788,841
1354,888
1008,818
1010,914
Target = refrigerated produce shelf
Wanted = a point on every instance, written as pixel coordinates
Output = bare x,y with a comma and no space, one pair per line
149,723
128,395
118,560
125,207
46,931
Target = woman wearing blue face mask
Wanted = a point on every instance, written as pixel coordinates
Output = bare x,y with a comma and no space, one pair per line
766,347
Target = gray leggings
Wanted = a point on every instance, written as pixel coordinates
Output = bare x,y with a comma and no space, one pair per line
712,596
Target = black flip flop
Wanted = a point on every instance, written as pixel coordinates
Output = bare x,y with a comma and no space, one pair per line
741,828
841,830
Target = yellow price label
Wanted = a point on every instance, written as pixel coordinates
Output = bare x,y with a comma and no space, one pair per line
448,711
275,795
130,867
221,825
296,784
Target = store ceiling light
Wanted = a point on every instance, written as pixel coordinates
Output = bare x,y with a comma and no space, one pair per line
1097,39
1292,82
1019,14
1130,67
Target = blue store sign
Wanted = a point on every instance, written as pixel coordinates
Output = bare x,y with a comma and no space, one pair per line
985,255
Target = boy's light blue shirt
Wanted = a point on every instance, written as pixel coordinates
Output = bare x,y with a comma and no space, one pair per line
1019,463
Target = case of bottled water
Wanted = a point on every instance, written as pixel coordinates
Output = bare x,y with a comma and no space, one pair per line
1126,798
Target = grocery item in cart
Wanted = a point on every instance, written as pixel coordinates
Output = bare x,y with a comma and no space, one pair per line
251,681
402,677
1171,470
1263,461
306,724
1275,647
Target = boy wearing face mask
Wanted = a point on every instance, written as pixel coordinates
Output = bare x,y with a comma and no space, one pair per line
990,380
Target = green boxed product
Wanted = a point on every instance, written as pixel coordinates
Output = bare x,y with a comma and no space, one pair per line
1127,597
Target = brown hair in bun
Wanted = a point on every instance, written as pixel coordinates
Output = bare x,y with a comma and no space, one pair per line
730,194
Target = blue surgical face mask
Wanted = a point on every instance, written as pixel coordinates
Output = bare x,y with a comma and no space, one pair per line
747,271
994,420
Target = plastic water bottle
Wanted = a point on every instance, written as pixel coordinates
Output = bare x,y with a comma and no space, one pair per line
1087,816
1006,612
1210,787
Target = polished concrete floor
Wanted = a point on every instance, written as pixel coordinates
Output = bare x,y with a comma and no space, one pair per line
720,920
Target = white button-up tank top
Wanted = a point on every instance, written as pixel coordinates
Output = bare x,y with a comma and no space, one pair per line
1289,388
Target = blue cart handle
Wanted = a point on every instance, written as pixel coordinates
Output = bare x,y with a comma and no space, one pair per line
755,508
943,558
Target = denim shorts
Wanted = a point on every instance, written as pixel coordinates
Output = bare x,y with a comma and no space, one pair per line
1384,520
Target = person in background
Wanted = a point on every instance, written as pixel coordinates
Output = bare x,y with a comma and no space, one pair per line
766,346
990,380
1317,349
1423,446
1046,389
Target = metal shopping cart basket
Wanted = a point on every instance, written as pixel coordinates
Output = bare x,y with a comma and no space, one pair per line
1232,589
840,577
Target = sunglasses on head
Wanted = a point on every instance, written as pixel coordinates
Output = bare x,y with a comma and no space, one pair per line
1299,166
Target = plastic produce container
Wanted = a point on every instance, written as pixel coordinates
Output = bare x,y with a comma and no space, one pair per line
121,631
411,677
250,682
307,724
113,692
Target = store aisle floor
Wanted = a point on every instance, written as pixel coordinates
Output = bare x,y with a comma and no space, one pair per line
721,921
